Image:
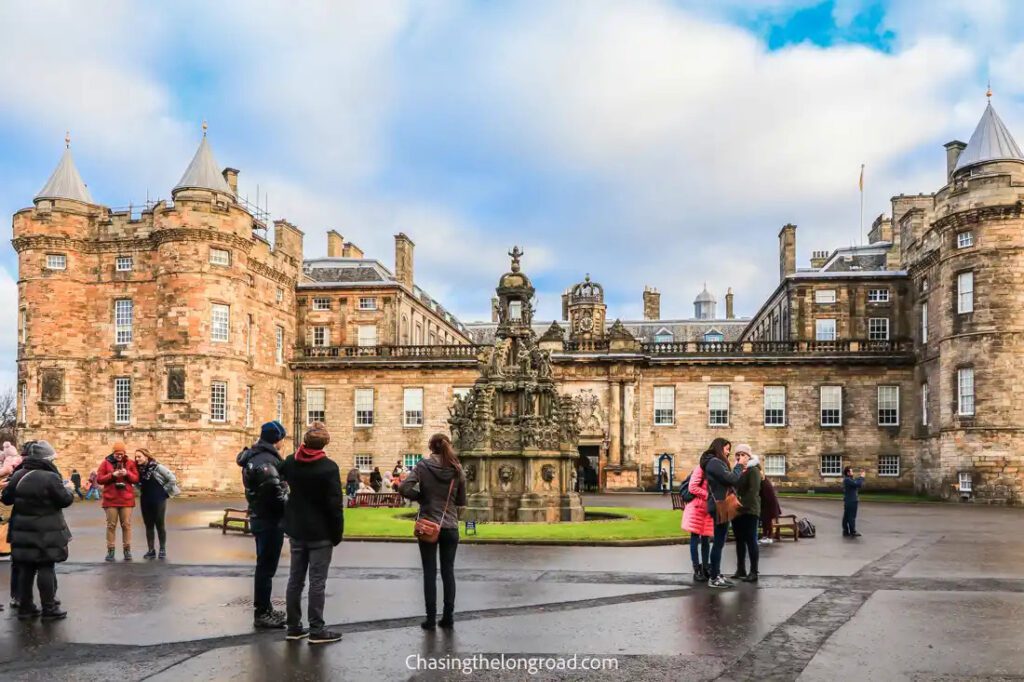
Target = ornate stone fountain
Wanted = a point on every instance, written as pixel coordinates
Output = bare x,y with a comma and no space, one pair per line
516,436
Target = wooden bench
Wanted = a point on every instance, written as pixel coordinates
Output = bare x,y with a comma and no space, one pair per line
375,500
790,526
237,515
677,501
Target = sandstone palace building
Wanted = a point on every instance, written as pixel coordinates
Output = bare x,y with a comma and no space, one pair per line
182,327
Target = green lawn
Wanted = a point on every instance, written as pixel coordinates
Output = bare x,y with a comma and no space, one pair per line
653,525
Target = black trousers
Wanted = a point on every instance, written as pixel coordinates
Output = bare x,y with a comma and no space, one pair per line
744,527
849,518
313,558
46,577
153,516
447,544
269,540
15,581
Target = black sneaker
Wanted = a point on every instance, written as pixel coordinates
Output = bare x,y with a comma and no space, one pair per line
267,620
55,614
738,575
447,622
296,633
162,555
151,554
751,578
324,637
28,614
428,624
855,534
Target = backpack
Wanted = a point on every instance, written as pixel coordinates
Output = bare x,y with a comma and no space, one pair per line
805,528
684,491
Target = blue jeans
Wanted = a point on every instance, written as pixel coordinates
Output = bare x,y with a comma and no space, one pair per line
721,532
699,549
269,541
90,495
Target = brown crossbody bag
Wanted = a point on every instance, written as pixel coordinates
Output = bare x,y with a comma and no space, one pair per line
426,530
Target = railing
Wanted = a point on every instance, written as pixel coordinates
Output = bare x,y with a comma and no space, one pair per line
776,347
586,346
459,351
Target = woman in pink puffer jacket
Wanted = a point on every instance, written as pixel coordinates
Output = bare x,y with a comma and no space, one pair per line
699,523
9,459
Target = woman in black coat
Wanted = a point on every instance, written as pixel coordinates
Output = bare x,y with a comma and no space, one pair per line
39,535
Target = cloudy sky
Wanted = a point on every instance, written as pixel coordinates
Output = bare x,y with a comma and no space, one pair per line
644,142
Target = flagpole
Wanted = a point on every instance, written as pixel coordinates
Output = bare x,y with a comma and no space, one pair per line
862,204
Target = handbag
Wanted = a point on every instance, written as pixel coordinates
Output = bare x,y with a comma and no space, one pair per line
429,531
723,511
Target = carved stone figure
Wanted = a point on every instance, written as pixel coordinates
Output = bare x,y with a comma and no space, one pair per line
547,472
506,474
470,470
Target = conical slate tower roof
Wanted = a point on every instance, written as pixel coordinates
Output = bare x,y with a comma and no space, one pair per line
705,296
991,141
65,183
203,172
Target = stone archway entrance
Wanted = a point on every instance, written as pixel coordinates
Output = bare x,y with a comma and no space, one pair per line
666,462
589,463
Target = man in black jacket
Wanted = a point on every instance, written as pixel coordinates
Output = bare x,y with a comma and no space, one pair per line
266,494
314,520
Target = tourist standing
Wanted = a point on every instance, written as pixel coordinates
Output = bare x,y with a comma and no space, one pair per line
376,480
266,494
699,523
663,479
745,524
352,482
93,492
851,500
39,534
118,476
76,481
397,471
770,510
156,485
314,520
439,485
720,481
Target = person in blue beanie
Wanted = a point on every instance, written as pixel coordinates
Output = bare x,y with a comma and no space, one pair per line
266,494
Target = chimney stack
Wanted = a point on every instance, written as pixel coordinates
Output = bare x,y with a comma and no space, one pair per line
729,315
565,304
787,250
818,259
953,151
652,304
350,250
335,244
231,177
403,259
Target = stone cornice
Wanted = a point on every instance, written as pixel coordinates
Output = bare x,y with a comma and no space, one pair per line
266,271
973,216
196,234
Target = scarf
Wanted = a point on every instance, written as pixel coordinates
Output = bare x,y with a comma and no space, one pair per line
304,454
146,471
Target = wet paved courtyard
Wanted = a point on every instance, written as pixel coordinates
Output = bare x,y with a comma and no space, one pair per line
931,592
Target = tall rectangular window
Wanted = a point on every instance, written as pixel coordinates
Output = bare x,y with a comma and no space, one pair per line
321,303
249,331
367,335
965,292
248,405
220,257
123,313
122,400
878,295
825,296
279,295
413,407
221,322
889,465
367,303
279,345
831,465
718,405
664,405
124,263
888,405
23,325
965,391
24,403
316,405
219,401
924,321
878,329
831,405
774,405
321,336
825,330
364,407
56,261
280,407
924,404
775,465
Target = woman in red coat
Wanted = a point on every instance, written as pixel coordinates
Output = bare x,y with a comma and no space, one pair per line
699,523
118,476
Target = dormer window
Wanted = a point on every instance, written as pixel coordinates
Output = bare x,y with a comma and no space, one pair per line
714,337
663,336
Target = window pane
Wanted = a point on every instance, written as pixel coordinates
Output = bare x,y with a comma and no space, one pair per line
279,345
775,465
56,261
878,329
364,407
410,460
965,292
878,295
367,335
889,465
280,407
413,407
367,303
220,324
320,336
718,405
924,321
774,405
248,405
924,404
965,382
218,401
220,257
888,405
316,405
664,405
831,465
831,405
825,296
964,239
123,263
364,463
825,330
123,313
320,303
122,400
